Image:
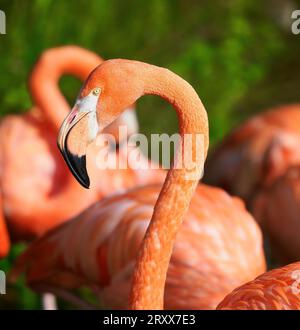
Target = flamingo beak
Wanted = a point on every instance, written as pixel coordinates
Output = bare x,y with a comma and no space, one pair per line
78,130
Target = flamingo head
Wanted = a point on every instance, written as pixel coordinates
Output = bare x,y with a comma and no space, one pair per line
108,91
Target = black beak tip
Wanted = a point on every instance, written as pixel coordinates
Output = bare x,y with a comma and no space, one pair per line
77,165
85,182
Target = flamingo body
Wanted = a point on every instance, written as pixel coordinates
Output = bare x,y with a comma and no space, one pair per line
38,191
277,289
256,153
218,248
260,163
278,208
33,176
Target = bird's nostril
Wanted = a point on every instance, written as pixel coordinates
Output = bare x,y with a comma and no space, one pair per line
72,116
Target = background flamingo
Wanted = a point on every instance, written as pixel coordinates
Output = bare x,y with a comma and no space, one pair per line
256,153
278,207
37,190
219,244
256,162
277,289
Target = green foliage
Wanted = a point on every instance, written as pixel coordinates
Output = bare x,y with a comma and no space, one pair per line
221,47
224,48
18,295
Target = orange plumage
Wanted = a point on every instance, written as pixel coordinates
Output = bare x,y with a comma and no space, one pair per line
278,289
37,189
260,162
217,242
218,247
277,207
256,153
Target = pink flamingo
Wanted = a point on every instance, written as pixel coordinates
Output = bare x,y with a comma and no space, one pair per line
37,190
219,244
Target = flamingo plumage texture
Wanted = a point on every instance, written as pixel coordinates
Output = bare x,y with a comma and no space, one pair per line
257,162
278,289
217,248
31,170
218,245
278,206
257,152
37,189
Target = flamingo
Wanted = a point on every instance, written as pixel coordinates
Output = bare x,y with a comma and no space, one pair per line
259,162
218,246
277,208
256,153
37,190
277,289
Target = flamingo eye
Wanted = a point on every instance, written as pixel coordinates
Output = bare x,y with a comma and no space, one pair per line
96,91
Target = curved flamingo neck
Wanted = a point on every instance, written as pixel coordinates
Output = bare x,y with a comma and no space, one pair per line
50,67
152,264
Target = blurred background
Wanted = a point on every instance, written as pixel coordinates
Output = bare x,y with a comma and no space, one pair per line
240,56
